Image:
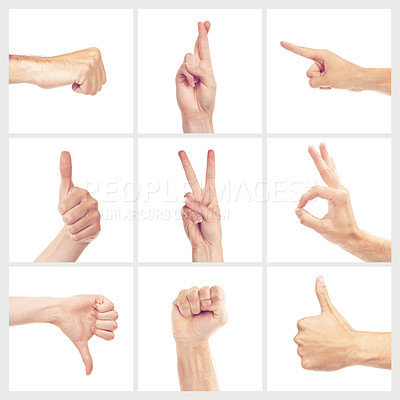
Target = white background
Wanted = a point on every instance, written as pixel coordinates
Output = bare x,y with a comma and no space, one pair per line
361,294
362,37
163,184
43,358
236,348
61,110
102,166
235,37
364,168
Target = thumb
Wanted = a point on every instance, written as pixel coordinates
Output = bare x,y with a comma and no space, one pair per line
205,77
322,295
86,357
66,174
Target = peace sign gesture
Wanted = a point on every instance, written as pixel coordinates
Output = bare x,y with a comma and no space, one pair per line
196,87
201,215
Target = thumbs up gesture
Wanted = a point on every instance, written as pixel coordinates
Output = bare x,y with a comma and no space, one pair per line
325,342
78,208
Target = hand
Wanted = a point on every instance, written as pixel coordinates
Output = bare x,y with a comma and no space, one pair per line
331,71
82,69
196,87
81,317
338,225
327,342
78,208
201,215
198,313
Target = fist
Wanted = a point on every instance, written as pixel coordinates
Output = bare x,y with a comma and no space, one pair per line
80,214
198,313
78,208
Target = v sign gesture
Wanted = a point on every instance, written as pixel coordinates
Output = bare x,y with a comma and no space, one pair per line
196,87
201,216
339,225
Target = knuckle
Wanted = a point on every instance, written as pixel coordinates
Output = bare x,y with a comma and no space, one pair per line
75,238
306,364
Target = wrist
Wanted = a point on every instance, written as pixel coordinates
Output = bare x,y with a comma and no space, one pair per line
198,124
372,349
376,79
208,253
51,311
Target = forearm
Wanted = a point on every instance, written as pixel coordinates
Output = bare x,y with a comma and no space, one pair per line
207,253
369,248
62,249
195,368
45,72
29,310
376,79
197,125
374,349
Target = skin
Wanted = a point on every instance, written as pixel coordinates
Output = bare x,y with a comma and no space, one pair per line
339,225
83,70
81,217
331,71
78,317
201,215
327,342
196,315
196,87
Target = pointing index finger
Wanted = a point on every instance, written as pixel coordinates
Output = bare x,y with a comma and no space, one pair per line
306,52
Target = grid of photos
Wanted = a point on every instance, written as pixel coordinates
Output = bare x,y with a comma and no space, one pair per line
186,186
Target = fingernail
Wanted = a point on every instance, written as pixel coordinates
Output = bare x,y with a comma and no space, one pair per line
199,221
192,67
188,201
298,211
321,281
206,302
193,84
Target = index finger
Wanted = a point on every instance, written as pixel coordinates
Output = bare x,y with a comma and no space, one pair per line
306,52
202,48
210,172
104,305
190,175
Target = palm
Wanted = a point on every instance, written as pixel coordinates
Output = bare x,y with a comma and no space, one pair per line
192,100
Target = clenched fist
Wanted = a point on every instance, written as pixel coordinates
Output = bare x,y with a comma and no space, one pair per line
201,215
78,208
327,342
331,71
339,225
198,313
196,87
82,69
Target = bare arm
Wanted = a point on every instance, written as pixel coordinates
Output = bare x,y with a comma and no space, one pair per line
195,368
